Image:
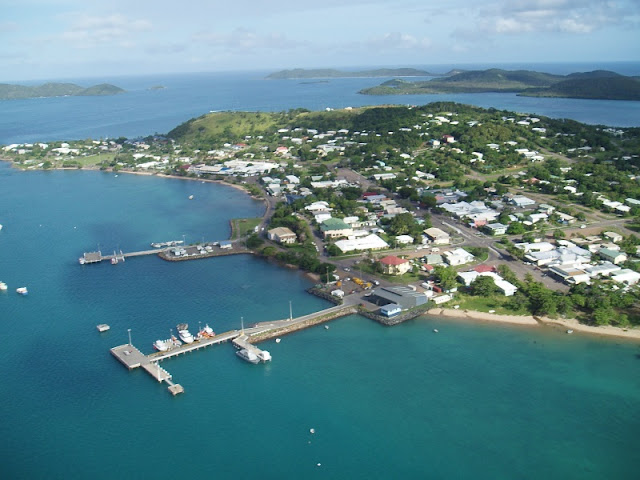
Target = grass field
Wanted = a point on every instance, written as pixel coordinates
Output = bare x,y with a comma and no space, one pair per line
241,227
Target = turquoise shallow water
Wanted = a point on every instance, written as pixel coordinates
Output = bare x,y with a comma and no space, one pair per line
474,401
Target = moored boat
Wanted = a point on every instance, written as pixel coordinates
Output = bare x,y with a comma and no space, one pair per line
22,290
3,286
184,333
247,355
160,345
206,332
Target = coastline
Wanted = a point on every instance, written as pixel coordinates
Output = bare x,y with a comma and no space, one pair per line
530,320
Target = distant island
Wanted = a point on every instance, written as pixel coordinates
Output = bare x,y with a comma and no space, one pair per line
301,73
599,84
14,92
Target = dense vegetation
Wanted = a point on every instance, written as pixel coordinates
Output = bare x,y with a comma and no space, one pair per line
594,85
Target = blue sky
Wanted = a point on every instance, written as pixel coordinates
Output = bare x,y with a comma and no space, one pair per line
48,39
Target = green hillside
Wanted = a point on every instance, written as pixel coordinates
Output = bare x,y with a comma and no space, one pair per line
602,88
599,84
11,92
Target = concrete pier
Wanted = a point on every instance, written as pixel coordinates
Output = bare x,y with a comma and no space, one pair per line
132,358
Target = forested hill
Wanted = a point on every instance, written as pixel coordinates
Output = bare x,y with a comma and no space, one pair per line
11,92
603,88
301,73
599,84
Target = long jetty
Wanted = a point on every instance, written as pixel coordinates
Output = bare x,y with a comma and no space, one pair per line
132,358
172,254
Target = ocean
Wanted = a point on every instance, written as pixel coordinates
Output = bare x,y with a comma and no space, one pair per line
477,400
143,111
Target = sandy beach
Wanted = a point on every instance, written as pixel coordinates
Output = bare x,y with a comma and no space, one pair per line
564,324
491,317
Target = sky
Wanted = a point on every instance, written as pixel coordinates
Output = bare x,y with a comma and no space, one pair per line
50,39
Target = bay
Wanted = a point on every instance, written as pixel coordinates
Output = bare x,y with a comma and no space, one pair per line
143,111
474,401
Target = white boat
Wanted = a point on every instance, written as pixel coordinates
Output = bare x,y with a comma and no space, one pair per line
82,261
3,286
248,356
569,331
22,290
184,334
190,197
0,226
161,345
103,327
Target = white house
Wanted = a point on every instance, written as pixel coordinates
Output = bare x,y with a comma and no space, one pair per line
458,256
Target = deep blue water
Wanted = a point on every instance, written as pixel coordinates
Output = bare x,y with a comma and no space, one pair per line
474,401
141,111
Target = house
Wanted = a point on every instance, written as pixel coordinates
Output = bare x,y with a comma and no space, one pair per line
612,256
334,228
626,276
507,288
392,265
570,274
565,218
496,228
605,269
404,239
282,235
437,236
613,236
390,310
520,201
458,256
370,242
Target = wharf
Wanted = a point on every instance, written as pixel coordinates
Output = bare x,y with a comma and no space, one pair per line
97,257
132,358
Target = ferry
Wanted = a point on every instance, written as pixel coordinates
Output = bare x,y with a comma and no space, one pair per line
3,286
22,290
248,356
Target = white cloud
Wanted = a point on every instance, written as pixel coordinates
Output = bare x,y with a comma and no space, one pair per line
399,41
557,16
246,40
113,30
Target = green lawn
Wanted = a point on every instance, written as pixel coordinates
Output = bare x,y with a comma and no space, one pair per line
484,304
241,227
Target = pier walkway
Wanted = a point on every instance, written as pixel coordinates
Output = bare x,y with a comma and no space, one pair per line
133,358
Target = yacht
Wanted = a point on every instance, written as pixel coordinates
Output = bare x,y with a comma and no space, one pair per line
160,345
3,286
184,334
22,290
248,356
